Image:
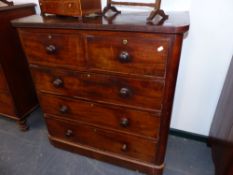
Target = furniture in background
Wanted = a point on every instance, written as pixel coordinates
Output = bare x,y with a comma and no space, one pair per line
17,94
221,132
156,8
106,89
9,3
75,8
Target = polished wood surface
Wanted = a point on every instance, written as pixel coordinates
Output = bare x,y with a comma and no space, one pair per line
106,87
178,22
120,54
134,122
3,83
114,142
221,132
7,107
134,93
17,92
73,8
46,47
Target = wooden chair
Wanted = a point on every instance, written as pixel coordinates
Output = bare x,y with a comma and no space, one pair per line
7,2
157,10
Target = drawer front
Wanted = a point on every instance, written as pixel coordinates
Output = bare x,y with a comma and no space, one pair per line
113,142
3,83
6,104
139,93
145,124
47,47
61,7
138,54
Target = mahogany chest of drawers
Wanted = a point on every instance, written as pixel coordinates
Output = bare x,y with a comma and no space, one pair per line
106,87
17,92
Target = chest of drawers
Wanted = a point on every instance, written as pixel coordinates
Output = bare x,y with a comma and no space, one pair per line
106,87
17,93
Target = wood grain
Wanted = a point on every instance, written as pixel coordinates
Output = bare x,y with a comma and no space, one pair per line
144,124
18,96
113,101
108,57
73,8
106,140
142,93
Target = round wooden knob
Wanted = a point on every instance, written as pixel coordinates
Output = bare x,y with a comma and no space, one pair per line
125,92
124,122
124,147
51,49
125,41
69,133
58,83
64,109
124,57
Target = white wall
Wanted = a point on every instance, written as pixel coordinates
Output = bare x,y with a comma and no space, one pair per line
205,59
204,62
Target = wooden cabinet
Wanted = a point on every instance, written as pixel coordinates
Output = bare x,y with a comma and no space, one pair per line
221,132
70,7
17,92
106,88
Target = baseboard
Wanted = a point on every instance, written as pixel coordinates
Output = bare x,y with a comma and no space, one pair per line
188,135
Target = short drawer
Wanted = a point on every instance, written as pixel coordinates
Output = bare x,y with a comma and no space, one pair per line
105,140
53,48
6,104
61,7
136,54
139,93
135,122
3,83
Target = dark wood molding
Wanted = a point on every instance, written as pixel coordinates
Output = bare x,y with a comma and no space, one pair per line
18,6
188,135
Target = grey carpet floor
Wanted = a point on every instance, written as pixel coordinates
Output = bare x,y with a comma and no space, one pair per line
30,153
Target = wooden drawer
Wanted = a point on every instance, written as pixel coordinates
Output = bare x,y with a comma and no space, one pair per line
3,83
139,54
61,7
136,122
53,48
70,7
141,93
6,104
113,142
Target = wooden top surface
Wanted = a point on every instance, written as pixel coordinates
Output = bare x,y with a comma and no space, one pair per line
16,6
178,22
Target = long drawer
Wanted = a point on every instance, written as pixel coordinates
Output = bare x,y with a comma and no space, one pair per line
141,93
125,53
112,52
3,83
135,122
53,48
105,140
6,104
